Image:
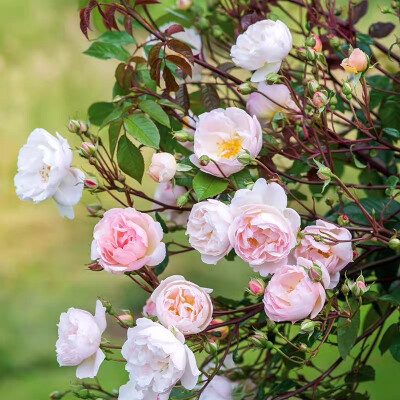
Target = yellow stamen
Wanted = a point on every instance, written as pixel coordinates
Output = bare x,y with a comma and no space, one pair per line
229,148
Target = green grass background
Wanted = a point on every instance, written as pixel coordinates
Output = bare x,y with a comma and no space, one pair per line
44,81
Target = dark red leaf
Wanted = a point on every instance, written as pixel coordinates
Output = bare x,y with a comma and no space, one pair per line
181,48
170,82
250,19
181,63
155,70
175,28
84,15
154,52
381,29
124,76
209,97
358,11
128,24
145,2
109,17
182,97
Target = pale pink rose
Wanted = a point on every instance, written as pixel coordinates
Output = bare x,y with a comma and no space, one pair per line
291,295
357,62
220,388
162,167
331,253
183,304
276,98
263,231
126,240
222,135
79,339
208,230
167,193
149,309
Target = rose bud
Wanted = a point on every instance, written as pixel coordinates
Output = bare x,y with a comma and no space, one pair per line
315,272
211,347
90,183
162,167
318,44
394,243
73,126
309,326
312,86
358,288
345,288
343,220
358,61
127,318
183,136
204,160
256,287
245,88
319,99
221,332
95,267
183,4
259,339
87,149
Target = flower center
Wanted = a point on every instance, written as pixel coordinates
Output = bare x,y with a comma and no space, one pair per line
323,254
45,172
229,148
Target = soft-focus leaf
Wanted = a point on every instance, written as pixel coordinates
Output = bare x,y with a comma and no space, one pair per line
170,82
99,111
381,29
358,11
181,48
391,332
130,159
209,97
182,97
104,51
143,130
395,347
206,185
181,63
155,111
116,37
347,334
364,374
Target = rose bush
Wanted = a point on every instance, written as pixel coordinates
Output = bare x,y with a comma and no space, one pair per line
293,170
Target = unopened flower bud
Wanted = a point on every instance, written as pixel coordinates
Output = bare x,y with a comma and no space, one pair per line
358,61
56,395
245,88
203,23
163,167
315,273
394,243
271,325
95,209
95,267
256,287
87,149
73,126
343,220
204,160
90,183
310,41
313,86
182,199
107,305
334,41
345,288
211,347
309,326
127,318
324,173
272,78
333,102
183,4
259,339
303,347
183,136
301,53
319,99
221,332
359,287
310,54
329,201
346,88
217,31
245,158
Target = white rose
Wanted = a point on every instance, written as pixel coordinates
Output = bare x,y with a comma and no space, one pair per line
79,338
156,360
44,171
162,167
183,304
262,48
220,388
264,108
207,228
223,135
167,194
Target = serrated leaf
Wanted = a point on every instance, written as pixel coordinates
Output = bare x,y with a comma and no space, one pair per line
130,159
116,37
241,179
105,51
209,97
155,111
347,334
99,111
206,185
143,130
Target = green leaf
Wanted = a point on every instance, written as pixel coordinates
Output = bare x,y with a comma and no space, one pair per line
241,179
155,111
347,334
160,268
356,162
143,130
206,185
116,37
392,132
115,114
130,159
181,393
162,222
393,297
391,332
395,347
99,111
105,51
364,374
113,135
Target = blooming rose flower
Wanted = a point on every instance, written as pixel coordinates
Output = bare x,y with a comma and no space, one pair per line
79,338
262,48
157,359
208,230
222,135
167,194
44,171
292,295
149,309
334,250
183,304
357,62
263,231
189,36
162,167
264,108
220,388
126,240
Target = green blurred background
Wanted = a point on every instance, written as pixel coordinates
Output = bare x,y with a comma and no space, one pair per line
45,81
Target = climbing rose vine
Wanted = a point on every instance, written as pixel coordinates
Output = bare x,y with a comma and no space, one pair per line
272,131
